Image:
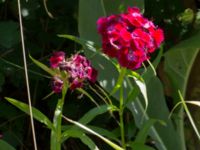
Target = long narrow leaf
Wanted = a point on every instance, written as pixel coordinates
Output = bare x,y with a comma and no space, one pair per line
142,87
88,95
197,103
82,136
189,115
90,115
104,132
42,66
36,113
140,146
113,145
144,131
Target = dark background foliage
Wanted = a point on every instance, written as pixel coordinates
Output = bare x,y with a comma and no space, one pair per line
41,40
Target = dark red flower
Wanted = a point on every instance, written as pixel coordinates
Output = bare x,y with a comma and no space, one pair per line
76,83
129,37
92,74
158,37
131,59
56,59
77,68
57,84
79,71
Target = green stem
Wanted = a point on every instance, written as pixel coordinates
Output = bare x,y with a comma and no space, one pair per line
121,112
57,121
121,106
120,80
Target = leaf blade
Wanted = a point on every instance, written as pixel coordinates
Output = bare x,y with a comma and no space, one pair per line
36,113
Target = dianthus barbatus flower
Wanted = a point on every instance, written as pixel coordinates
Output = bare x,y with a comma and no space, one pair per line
56,59
129,37
56,84
77,68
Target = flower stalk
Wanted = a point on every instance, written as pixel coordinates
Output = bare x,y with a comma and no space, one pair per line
121,106
57,121
121,112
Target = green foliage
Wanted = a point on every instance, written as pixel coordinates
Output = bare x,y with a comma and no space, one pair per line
82,136
10,37
42,66
89,116
139,146
116,147
5,145
36,113
179,61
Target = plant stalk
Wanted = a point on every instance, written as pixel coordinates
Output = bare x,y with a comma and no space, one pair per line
57,122
121,108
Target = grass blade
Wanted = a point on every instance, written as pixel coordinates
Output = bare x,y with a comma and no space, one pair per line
36,113
113,145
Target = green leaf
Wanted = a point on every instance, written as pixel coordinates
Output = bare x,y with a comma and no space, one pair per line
144,131
142,87
156,100
179,60
189,115
36,113
9,32
113,145
90,115
178,64
166,137
73,38
140,146
42,66
5,146
82,136
104,132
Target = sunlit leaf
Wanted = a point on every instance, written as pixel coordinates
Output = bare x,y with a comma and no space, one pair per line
90,115
116,147
36,113
74,133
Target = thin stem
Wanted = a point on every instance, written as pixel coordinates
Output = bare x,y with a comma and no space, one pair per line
98,94
121,112
105,94
122,73
121,105
57,121
26,75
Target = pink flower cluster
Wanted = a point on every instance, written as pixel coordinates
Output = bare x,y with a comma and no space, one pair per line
129,37
78,69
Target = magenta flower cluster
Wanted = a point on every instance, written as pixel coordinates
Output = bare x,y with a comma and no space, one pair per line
77,68
129,37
